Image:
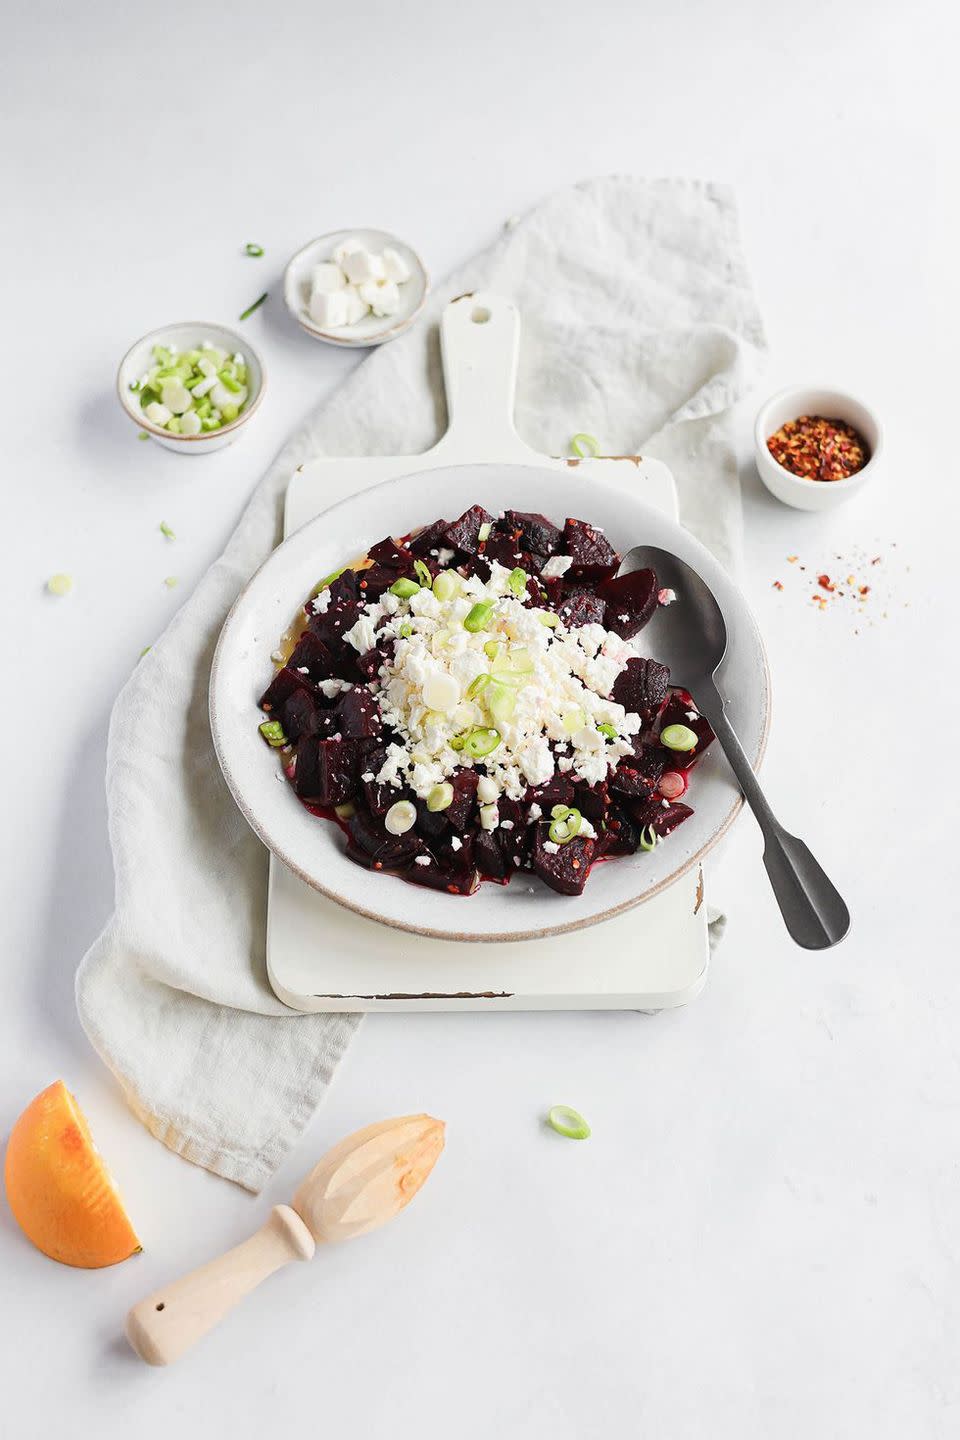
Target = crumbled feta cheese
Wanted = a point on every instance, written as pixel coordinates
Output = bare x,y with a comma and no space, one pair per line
666,596
333,687
368,777
557,565
422,860
534,812
456,843
488,791
550,847
489,817
321,603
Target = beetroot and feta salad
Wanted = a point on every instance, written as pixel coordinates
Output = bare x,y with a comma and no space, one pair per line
474,700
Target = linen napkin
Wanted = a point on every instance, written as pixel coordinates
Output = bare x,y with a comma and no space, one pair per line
639,326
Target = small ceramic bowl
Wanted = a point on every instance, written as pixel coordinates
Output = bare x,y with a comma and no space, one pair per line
190,335
800,400
372,329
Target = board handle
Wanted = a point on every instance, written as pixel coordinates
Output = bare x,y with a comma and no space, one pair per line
168,1322
480,343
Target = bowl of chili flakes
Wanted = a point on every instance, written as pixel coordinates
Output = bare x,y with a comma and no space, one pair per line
816,448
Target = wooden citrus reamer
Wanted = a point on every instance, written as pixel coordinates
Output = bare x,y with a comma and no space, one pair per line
360,1184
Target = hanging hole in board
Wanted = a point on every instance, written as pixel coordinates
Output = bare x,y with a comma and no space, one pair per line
480,315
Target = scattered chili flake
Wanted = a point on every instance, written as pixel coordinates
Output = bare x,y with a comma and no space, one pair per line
825,582
864,589
778,584
792,559
817,448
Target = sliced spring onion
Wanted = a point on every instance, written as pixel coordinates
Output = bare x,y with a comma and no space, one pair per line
254,251
483,534
171,582
143,435
60,584
547,617
255,306
648,838
477,686
145,651
568,1122
481,742
501,701
426,579
446,585
491,649
478,616
609,730
401,817
678,737
517,582
404,589
440,798
165,530
584,445
573,720
272,732
405,631
457,742
564,827
345,811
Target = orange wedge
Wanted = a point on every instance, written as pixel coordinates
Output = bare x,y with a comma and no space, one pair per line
61,1193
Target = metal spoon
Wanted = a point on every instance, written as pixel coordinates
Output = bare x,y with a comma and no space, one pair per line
692,639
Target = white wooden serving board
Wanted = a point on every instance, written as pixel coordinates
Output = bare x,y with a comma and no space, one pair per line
322,957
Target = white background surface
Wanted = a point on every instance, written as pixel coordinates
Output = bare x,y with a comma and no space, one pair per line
762,1237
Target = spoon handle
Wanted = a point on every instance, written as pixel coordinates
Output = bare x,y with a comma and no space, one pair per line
813,910
161,1327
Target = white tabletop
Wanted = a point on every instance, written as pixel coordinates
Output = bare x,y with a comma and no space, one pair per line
762,1236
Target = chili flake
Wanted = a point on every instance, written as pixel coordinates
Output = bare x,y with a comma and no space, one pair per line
778,584
817,448
825,582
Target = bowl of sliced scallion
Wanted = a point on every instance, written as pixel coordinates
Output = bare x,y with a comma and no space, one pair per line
191,386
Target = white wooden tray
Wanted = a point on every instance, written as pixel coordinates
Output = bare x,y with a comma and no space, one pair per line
322,957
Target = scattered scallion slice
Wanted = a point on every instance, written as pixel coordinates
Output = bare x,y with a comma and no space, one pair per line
478,616
481,742
517,582
143,435
404,589
254,251
568,1122
423,572
327,580
501,701
440,798
648,838
345,811
171,582
678,737
272,732
573,720
145,651
255,306
483,534
405,631
585,445
457,742
165,530
609,730
446,585
477,686
491,649
547,617
564,827
60,584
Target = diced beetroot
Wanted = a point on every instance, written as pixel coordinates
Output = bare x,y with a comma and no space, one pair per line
326,770
311,653
464,784
432,537
663,816
677,711
345,588
366,833
489,856
554,588
431,824
630,601
369,664
511,833
593,802
536,531
566,869
375,581
299,714
622,837
581,608
391,555
537,592
641,687
437,877
333,624
281,687
650,760
463,534
358,715
558,791
507,551
627,779
594,558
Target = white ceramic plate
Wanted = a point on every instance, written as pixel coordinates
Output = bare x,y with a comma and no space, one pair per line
314,848
372,329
